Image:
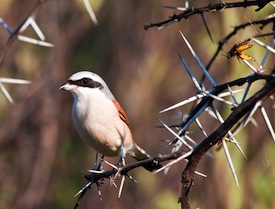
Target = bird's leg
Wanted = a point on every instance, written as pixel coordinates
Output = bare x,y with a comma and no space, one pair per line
95,163
97,168
99,183
100,167
121,162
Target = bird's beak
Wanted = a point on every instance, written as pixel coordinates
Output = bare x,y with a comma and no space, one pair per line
67,87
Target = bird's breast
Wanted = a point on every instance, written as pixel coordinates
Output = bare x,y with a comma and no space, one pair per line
100,126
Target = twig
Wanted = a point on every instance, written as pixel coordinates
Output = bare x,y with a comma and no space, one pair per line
13,34
209,8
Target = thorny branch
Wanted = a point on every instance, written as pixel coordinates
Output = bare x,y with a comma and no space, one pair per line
217,136
14,33
209,8
97,177
124,170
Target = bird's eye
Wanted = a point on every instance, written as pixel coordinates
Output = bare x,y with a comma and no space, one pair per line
85,81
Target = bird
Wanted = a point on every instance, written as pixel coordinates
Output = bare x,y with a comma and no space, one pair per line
101,121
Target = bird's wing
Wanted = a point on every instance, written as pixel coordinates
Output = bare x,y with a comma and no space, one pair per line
122,113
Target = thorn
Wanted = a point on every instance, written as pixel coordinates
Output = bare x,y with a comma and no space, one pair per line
201,174
110,164
227,154
99,192
130,177
207,28
84,188
34,41
6,27
268,123
251,66
6,93
176,135
96,171
205,72
90,11
121,187
176,8
173,162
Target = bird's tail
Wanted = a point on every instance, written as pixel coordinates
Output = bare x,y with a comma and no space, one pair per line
139,154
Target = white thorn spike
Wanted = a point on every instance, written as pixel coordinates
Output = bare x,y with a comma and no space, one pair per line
121,186
95,171
173,162
229,132
176,135
227,154
90,11
84,188
176,8
267,121
221,100
196,97
201,127
250,66
206,73
6,93
37,29
14,81
201,174
25,25
264,45
195,82
34,41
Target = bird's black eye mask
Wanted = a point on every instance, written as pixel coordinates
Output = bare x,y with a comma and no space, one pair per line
86,82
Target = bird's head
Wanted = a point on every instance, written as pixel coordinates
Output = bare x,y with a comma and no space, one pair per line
85,83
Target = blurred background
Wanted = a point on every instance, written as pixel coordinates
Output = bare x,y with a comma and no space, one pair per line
42,158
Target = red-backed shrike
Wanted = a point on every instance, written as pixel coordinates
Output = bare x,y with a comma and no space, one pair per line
100,120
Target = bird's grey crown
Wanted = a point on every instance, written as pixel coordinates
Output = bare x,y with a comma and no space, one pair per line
90,80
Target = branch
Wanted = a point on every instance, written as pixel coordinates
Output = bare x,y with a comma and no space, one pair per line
125,169
217,136
98,177
207,100
210,8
